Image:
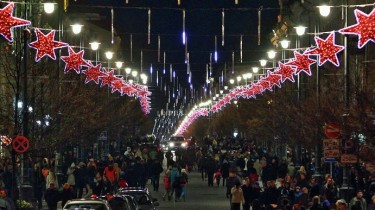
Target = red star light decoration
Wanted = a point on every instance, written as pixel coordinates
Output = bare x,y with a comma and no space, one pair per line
46,45
265,83
108,78
93,73
117,85
8,22
302,62
364,28
273,78
326,50
74,61
286,72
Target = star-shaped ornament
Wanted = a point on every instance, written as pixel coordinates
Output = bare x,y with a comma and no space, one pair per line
93,73
46,45
302,62
257,89
117,86
286,71
273,78
108,77
74,61
364,28
326,50
248,93
8,22
263,81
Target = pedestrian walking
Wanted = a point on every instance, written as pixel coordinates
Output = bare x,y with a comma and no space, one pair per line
66,194
52,196
183,182
51,178
167,183
217,177
174,177
237,196
155,170
358,202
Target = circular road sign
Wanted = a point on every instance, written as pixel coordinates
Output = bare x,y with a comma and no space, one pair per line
20,144
332,130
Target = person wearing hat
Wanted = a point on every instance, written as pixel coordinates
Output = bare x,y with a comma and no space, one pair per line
358,202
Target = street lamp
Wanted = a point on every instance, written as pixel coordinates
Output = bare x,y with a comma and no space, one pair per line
109,55
94,45
284,43
271,54
119,64
324,10
225,87
49,7
231,81
76,28
255,69
300,30
128,70
263,63
221,92
134,73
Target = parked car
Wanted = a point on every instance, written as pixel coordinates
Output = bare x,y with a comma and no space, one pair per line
87,203
142,197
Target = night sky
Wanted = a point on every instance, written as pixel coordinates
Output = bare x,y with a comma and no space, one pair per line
203,23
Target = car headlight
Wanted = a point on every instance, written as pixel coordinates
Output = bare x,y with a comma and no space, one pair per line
183,144
171,144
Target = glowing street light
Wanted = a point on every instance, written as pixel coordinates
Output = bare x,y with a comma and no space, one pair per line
300,30
262,62
76,28
94,45
255,69
49,7
271,54
119,64
324,10
109,55
128,70
284,43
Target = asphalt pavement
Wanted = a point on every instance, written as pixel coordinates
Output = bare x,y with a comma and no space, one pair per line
199,196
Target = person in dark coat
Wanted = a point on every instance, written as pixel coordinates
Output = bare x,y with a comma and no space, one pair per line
270,195
247,190
155,170
97,188
225,171
66,194
211,169
316,204
52,196
80,176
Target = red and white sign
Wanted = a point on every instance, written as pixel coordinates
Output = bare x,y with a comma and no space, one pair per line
332,130
20,144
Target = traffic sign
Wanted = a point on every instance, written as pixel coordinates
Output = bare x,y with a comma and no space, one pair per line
332,130
330,160
20,144
331,148
103,136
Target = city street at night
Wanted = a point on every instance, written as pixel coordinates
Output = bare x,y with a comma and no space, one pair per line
187,104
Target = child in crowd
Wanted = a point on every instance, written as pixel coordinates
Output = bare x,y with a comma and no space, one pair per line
217,177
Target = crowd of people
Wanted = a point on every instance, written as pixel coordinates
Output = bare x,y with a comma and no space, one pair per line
254,177
258,179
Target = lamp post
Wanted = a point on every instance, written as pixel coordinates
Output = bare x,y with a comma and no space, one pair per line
109,56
